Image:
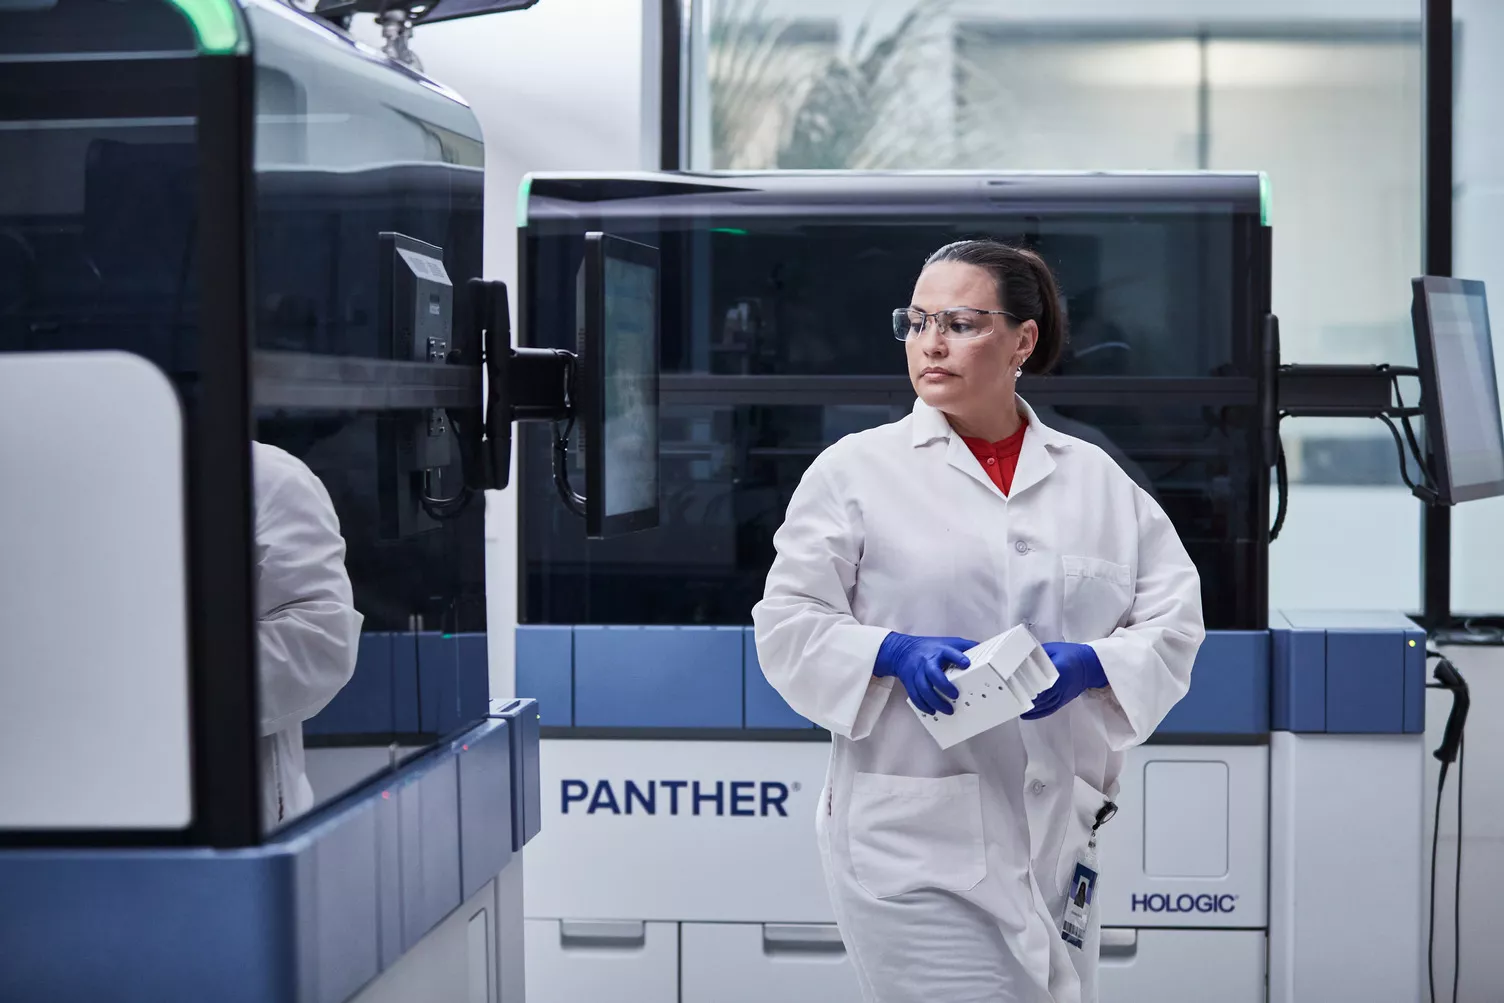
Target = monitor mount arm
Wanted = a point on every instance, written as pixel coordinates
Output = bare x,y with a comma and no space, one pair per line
1322,391
524,384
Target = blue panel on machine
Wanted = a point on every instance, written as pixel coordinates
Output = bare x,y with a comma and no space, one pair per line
527,784
474,673
1229,692
309,917
407,693
545,671
1415,681
340,899
486,808
1365,681
1348,672
364,705
428,811
658,677
438,682
765,708
1299,677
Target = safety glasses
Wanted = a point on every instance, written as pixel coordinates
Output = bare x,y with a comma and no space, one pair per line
956,324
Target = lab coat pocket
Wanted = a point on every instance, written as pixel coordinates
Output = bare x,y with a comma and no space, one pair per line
1098,595
910,833
1086,801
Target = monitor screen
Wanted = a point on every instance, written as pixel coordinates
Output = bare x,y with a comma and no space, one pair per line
621,364
1460,387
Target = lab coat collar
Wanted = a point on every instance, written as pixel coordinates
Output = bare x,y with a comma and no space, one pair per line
930,424
1035,461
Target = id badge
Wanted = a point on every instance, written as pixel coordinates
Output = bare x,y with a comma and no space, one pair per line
1078,900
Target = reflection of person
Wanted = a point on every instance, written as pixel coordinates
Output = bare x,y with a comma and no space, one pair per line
630,447
949,869
308,631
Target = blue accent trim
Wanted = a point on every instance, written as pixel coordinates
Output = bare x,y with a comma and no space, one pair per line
406,692
527,783
310,917
428,810
1415,682
1365,682
474,670
1348,673
658,677
545,671
134,927
487,807
364,705
765,708
1299,682
347,937
446,677
389,878
1341,672
1229,692
438,681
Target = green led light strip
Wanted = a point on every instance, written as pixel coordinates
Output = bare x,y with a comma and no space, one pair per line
1266,199
217,24
523,191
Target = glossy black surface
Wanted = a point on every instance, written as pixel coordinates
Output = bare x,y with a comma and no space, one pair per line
349,148
196,210
777,299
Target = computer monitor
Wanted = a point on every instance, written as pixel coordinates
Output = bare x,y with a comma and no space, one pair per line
1459,388
617,393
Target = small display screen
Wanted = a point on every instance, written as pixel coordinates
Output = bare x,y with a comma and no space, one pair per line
1468,388
630,375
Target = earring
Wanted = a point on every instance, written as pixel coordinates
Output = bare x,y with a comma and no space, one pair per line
1018,372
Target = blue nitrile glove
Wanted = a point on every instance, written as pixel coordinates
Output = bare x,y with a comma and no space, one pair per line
919,663
1080,670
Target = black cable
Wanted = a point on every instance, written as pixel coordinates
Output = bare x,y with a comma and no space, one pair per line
1457,882
1448,678
1435,841
1282,480
574,502
442,509
1404,461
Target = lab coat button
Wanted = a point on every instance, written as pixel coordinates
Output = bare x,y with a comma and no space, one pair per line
1021,547
1037,787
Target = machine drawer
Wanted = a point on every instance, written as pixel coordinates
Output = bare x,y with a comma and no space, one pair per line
759,962
623,962
1182,966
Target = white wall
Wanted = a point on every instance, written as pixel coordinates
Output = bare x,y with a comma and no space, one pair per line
1478,220
565,85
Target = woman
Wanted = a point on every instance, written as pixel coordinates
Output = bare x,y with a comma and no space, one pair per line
948,870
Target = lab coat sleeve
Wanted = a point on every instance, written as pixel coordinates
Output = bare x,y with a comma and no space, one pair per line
812,649
309,631
1148,660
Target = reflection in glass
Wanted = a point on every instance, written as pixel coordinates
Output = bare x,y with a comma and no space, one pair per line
814,295
368,227
307,631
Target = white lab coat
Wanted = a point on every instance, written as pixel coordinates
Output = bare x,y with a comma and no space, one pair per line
948,869
308,630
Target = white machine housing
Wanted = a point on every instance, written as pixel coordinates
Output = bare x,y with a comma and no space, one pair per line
644,891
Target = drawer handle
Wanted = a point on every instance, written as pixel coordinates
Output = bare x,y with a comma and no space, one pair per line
815,938
1119,942
602,933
